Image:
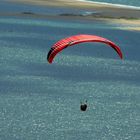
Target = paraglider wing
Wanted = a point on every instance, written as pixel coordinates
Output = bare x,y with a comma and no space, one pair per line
72,40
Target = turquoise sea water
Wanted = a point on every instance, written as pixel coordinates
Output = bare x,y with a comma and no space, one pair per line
122,2
40,101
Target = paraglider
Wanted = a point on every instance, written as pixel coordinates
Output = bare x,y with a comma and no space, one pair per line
72,40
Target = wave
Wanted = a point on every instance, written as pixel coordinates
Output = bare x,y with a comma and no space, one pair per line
111,4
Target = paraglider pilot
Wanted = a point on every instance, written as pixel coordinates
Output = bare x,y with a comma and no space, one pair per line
83,107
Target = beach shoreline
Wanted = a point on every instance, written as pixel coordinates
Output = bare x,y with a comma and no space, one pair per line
109,13
106,11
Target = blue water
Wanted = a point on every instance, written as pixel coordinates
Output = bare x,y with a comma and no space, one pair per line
122,2
40,101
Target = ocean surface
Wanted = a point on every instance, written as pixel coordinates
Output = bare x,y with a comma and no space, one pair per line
41,101
120,2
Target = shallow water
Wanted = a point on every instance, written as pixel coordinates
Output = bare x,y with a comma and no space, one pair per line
41,101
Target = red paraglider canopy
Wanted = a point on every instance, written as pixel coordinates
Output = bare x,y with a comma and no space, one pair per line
72,40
